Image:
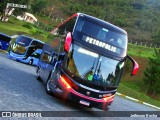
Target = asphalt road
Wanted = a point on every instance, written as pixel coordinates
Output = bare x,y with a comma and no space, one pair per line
20,91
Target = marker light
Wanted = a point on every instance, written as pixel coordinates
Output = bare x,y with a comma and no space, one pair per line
84,51
108,98
68,42
63,81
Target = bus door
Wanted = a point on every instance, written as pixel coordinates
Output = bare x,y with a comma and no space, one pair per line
45,61
45,66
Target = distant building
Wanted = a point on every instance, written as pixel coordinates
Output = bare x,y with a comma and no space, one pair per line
28,17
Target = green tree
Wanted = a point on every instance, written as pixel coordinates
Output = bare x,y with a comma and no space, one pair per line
38,5
20,11
152,74
3,5
156,36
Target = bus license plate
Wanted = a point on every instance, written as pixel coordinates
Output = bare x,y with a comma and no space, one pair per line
84,102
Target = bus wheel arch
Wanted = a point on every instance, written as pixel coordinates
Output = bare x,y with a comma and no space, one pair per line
38,74
48,90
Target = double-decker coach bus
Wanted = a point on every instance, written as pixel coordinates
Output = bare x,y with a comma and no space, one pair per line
90,70
26,49
4,41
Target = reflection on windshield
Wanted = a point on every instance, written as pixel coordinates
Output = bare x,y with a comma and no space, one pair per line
24,41
18,49
93,68
101,32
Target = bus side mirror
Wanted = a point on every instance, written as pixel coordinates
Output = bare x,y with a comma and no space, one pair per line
135,66
68,41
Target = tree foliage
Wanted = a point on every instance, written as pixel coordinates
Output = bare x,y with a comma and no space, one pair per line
17,11
38,5
152,74
156,36
139,17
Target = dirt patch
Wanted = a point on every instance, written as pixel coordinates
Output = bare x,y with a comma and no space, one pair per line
143,64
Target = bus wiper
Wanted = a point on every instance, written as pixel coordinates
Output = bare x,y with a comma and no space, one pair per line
90,69
98,70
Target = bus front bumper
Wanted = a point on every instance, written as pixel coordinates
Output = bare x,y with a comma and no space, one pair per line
85,100
15,57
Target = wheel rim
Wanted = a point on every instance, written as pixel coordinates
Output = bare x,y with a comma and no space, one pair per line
30,62
48,89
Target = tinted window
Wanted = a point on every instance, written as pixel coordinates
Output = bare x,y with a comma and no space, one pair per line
46,57
67,27
37,44
24,41
101,32
5,38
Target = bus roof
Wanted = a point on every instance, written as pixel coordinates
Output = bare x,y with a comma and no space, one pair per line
39,41
111,26
32,38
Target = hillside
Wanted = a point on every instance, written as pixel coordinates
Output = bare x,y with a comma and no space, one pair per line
140,18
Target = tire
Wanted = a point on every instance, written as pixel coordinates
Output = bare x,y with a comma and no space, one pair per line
48,90
30,62
107,107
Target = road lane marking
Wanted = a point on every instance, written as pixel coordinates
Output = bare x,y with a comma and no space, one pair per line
136,100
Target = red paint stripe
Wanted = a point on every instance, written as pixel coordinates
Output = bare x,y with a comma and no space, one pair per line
89,98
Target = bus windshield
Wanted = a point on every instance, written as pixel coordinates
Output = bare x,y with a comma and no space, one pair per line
96,69
18,49
21,44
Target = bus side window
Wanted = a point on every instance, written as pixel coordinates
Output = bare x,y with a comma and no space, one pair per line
46,58
67,27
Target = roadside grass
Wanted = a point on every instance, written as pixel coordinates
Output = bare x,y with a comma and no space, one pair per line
132,90
15,26
140,51
134,86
